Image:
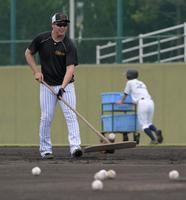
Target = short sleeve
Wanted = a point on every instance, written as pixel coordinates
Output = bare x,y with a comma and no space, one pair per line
34,45
71,56
127,89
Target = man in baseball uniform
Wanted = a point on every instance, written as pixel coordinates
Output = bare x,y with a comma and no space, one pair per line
145,105
58,58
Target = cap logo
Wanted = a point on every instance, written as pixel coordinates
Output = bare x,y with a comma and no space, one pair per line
59,17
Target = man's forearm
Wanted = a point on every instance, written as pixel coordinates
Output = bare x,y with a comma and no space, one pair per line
68,76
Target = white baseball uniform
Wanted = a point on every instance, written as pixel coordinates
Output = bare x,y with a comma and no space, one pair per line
140,96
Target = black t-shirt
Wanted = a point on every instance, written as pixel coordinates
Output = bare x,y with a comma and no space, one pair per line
54,56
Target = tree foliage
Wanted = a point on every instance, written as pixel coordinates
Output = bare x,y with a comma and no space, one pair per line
97,18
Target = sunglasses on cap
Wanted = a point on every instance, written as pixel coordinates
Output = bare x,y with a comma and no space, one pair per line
60,24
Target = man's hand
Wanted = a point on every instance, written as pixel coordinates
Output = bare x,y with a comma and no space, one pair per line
60,93
38,76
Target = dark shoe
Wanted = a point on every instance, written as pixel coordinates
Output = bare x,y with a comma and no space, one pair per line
159,136
77,153
48,156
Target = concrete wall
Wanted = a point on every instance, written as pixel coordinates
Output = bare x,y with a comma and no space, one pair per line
20,112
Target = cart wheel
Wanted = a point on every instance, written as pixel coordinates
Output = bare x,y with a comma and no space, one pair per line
137,138
102,141
125,137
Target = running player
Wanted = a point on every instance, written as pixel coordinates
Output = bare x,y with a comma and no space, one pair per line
145,105
58,58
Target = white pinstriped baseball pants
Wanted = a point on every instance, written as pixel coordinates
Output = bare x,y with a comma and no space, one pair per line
48,103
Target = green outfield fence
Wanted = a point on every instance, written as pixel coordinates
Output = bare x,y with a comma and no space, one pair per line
86,50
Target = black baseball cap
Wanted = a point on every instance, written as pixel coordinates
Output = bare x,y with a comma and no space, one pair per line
60,17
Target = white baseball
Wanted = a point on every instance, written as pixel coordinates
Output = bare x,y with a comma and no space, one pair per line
36,171
111,136
103,172
97,185
111,174
174,174
101,175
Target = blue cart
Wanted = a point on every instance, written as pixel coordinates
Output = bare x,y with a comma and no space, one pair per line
118,118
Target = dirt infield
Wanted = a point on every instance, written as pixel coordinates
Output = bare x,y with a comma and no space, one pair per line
142,174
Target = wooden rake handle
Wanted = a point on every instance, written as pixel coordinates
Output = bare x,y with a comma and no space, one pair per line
78,114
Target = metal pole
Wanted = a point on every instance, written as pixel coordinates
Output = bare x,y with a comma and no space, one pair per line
13,32
184,42
72,14
97,54
159,49
120,8
141,48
